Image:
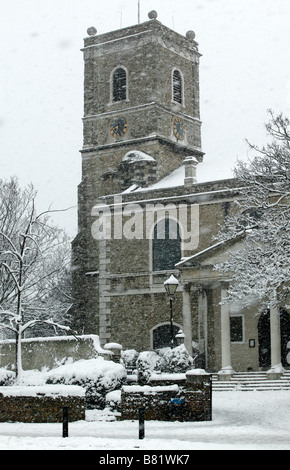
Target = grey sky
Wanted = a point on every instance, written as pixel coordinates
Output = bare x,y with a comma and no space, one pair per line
244,71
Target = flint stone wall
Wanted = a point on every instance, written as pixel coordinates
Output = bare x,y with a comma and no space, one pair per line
188,400
51,352
41,404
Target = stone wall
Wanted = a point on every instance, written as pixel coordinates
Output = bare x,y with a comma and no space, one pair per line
50,352
132,296
41,404
148,52
166,400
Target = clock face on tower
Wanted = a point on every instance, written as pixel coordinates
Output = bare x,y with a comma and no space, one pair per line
178,128
118,127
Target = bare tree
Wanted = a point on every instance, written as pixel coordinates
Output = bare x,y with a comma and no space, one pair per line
34,257
260,270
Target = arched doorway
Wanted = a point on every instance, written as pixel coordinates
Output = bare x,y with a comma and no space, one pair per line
162,335
264,338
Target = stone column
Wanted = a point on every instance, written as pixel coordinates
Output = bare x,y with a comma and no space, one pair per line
226,371
276,367
187,330
202,325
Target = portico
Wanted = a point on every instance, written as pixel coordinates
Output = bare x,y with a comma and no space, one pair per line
227,333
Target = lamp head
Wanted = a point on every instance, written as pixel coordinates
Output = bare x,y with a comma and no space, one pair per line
171,285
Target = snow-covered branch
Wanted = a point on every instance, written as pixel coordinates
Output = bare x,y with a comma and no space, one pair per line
263,213
34,260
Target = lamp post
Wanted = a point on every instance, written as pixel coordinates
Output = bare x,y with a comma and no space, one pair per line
171,285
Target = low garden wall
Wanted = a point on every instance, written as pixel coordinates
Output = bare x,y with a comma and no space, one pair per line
50,352
187,399
42,404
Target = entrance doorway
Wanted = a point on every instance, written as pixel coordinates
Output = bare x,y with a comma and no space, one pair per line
264,338
162,336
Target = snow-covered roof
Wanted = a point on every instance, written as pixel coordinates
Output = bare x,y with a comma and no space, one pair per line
206,173
210,250
174,179
137,156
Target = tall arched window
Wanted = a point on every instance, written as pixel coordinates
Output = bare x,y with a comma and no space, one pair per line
166,245
119,85
177,91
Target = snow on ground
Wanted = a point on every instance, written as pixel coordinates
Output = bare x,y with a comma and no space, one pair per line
241,421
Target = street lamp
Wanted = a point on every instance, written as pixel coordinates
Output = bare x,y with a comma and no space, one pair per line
171,285
180,338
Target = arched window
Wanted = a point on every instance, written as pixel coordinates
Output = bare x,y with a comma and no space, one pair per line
177,91
119,85
166,245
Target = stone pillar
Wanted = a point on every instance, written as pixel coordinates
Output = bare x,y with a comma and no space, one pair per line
276,367
199,395
226,371
187,330
114,351
202,325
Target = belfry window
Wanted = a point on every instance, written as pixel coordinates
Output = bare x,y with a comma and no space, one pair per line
119,85
177,87
166,245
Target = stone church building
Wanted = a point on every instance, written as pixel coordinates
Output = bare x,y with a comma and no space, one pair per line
147,209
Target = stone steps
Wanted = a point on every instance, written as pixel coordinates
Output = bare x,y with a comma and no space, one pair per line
251,381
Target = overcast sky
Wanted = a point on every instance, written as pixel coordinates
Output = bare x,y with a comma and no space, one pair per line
244,70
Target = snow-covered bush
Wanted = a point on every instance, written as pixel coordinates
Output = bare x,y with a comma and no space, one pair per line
176,360
129,358
147,362
7,377
113,400
97,376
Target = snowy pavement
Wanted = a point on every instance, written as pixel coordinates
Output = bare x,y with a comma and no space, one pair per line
241,421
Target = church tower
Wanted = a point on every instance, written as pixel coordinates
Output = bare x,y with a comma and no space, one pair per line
141,94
